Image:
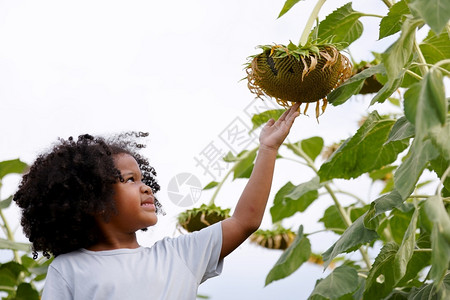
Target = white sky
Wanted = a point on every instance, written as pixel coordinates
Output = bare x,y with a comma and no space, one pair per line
171,68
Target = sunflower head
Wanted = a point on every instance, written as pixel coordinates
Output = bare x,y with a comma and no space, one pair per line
279,238
198,218
297,74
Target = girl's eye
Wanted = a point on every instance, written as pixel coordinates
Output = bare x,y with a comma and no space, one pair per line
131,179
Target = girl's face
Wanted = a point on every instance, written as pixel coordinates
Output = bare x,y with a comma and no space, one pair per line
134,200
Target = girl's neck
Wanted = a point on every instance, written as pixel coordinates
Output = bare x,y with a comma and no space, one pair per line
115,242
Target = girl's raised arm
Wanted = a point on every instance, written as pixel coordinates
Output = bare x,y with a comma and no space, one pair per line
250,209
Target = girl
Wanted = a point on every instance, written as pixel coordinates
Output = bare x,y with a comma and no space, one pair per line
83,202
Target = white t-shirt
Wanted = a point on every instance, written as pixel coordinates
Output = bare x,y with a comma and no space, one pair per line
171,269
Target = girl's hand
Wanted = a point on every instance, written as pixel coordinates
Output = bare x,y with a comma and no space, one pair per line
274,132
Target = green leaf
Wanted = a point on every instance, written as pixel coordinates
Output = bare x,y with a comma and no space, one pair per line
211,185
291,199
436,13
436,48
25,291
439,165
440,237
399,221
398,54
418,262
244,166
7,278
355,236
291,259
6,203
388,88
312,146
332,219
411,97
353,85
383,204
380,280
406,250
428,291
392,23
287,6
349,29
262,118
401,130
7,244
408,173
229,157
440,137
12,166
364,152
343,280
12,270
432,105
280,201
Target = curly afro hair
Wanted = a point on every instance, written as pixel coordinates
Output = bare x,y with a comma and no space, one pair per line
69,185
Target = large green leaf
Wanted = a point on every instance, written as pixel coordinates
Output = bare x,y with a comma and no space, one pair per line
440,236
406,250
287,6
408,173
355,236
380,280
11,166
353,85
364,152
262,118
398,54
291,259
392,23
291,199
343,280
436,48
436,13
349,29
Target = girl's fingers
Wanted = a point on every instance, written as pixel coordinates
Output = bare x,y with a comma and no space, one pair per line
289,112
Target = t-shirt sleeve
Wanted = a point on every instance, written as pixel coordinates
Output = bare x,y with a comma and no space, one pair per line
200,251
55,286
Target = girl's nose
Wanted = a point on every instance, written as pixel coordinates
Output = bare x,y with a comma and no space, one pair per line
146,189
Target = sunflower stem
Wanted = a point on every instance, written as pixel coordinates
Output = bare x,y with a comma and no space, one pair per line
423,67
310,22
388,3
10,236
